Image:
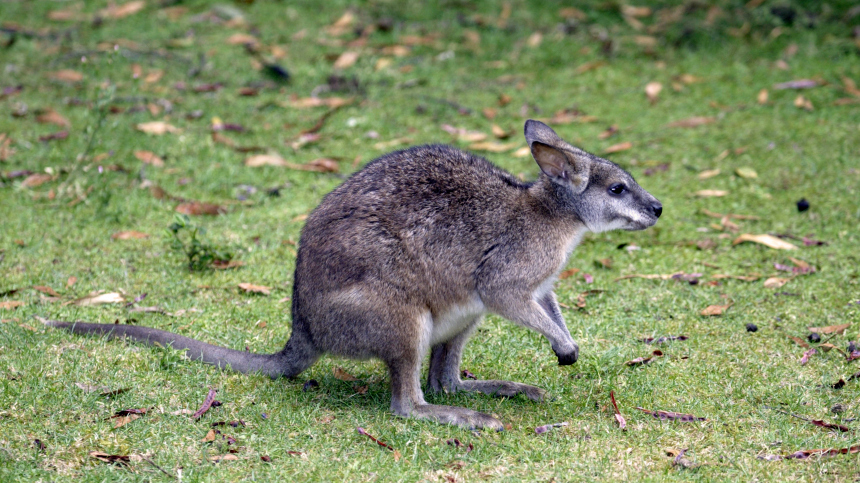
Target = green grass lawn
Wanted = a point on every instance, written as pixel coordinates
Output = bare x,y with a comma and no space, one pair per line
98,74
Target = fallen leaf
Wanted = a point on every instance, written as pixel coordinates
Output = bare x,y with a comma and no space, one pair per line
644,360
592,65
332,102
341,374
265,160
226,264
652,91
66,75
111,458
11,304
47,290
746,172
803,103
98,298
762,96
129,235
242,39
342,25
124,10
796,84
711,310
50,116
830,329
548,427
775,282
534,39
36,179
672,416
346,60
711,193
708,173
71,281
767,240
210,436
54,136
157,128
618,147
568,273
207,403
251,288
692,122
494,147
665,338
197,208
149,157
805,358
223,457
622,424
799,341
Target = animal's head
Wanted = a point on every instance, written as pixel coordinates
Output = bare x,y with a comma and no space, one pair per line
602,194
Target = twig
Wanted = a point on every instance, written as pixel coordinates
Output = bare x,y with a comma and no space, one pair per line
159,468
207,403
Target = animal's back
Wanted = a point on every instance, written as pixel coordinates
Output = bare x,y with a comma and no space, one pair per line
419,214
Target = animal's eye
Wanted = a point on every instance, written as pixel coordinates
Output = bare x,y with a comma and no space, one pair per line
617,189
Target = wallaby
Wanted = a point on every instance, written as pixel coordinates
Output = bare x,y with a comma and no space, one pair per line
406,256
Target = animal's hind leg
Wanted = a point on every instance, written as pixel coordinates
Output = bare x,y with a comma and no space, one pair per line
444,373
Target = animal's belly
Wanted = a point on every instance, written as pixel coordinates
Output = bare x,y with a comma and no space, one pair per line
455,319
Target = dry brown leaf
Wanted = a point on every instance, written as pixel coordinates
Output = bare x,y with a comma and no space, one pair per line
129,235
799,341
11,304
767,240
775,282
123,420
762,96
745,278
223,457
462,134
494,147
36,179
346,60
98,298
225,265
342,25
692,122
157,128
341,374
830,329
332,102
50,116
618,147
242,39
568,273
210,436
149,157
646,41
711,193
746,172
71,281
803,103
592,65
708,173
265,160
66,15
196,208
153,76
124,10
499,132
66,75
652,91
534,39
251,288
46,289
715,309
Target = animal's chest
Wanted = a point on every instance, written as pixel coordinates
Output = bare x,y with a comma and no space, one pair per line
455,319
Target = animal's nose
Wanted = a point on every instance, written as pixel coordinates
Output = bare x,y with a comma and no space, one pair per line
658,209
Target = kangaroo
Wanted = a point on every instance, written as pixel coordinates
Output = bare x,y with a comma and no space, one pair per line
405,257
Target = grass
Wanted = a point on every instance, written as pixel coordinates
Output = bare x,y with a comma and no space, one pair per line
62,229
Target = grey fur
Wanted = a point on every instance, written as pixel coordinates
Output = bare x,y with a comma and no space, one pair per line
404,258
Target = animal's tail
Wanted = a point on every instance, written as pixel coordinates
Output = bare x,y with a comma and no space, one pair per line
297,356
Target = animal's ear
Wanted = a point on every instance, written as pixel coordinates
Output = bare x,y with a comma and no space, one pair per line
537,131
552,162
